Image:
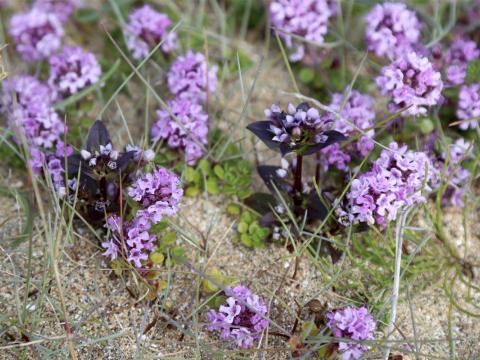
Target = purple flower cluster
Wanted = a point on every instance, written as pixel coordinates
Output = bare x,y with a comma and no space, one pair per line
27,105
459,53
468,109
241,319
186,130
37,34
190,78
396,180
302,18
72,70
298,125
457,176
352,323
412,82
158,194
391,29
356,119
146,28
61,8
130,239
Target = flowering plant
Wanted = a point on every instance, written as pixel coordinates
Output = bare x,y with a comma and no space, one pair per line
304,131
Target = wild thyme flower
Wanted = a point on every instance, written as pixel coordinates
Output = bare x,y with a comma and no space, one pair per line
36,33
391,29
356,115
191,78
303,18
146,28
73,70
187,130
468,108
158,194
32,112
459,53
355,324
301,129
130,240
397,179
241,318
448,164
61,8
411,81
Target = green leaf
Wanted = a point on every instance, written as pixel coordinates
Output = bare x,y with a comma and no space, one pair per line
159,227
168,240
306,75
233,209
247,217
246,240
473,72
205,166
215,274
242,227
212,186
243,194
192,191
190,174
426,126
157,257
178,253
218,170
252,229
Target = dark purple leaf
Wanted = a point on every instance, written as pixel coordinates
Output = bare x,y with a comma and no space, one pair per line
262,130
333,137
124,160
316,210
269,175
268,220
98,135
261,202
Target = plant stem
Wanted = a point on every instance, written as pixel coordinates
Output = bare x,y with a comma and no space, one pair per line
396,277
297,185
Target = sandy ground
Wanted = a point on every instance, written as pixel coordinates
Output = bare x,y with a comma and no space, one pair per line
99,305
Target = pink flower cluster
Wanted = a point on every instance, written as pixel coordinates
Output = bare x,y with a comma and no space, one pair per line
191,78
412,82
61,8
468,109
352,323
27,105
302,18
391,29
397,179
130,239
158,194
146,28
449,165
72,70
461,51
241,319
37,34
184,124
186,130
356,120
